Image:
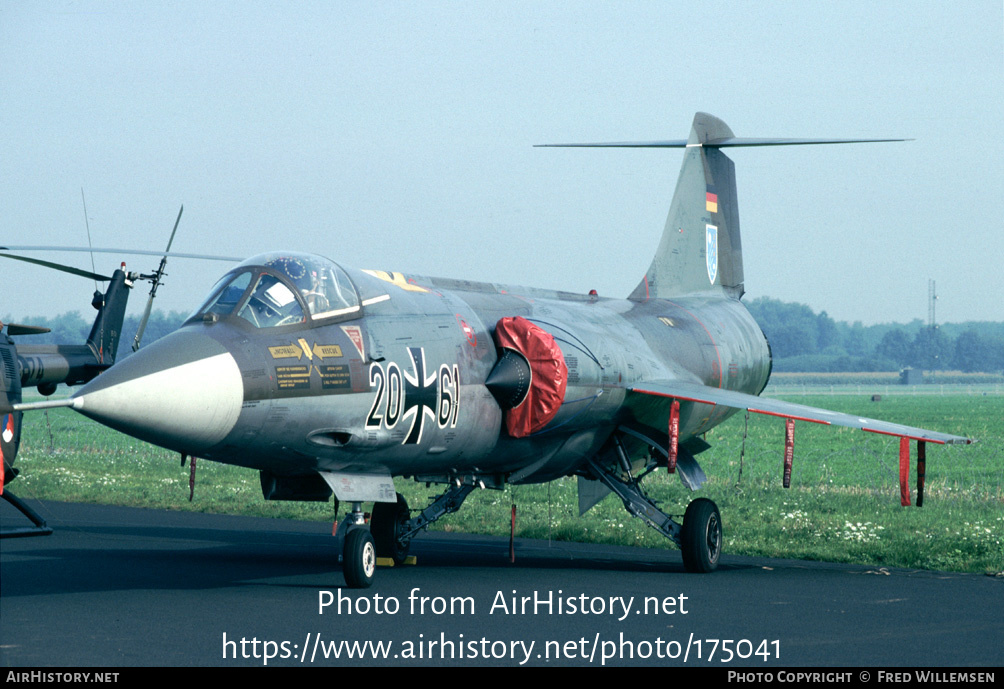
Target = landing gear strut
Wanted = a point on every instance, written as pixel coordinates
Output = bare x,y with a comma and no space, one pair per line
447,502
700,536
393,530
40,528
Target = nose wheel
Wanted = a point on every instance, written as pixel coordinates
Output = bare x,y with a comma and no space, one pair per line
358,551
359,559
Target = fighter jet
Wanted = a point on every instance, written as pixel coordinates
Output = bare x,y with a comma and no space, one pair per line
328,379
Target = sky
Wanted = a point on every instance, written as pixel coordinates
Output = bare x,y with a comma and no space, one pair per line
399,136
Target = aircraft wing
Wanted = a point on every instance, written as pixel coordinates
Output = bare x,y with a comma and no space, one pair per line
695,392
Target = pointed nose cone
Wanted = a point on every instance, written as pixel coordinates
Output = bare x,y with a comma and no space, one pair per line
184,392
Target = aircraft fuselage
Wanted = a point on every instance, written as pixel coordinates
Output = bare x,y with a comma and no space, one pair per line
401,388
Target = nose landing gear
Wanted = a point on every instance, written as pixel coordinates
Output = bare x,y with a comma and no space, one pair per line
392,528
359,551
388,528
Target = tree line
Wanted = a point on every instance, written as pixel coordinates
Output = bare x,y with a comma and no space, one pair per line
804,341
73,328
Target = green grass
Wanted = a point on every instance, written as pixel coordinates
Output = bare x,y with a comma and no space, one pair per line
843,504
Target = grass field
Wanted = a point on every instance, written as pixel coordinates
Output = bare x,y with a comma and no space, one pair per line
843,504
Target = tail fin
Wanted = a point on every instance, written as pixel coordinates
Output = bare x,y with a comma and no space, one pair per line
700,250
107,329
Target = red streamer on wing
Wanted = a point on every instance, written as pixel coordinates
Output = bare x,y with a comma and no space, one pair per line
904,472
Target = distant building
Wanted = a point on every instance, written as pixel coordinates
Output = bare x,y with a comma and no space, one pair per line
911,376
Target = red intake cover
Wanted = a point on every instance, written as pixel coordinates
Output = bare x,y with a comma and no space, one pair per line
548,375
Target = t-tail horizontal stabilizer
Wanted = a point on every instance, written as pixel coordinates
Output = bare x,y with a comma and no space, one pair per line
700,250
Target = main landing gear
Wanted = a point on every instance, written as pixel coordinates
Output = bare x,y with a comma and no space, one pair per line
700,535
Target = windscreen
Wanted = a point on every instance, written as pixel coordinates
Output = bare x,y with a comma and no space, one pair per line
275,290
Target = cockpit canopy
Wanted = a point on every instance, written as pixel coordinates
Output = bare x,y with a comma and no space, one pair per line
280,289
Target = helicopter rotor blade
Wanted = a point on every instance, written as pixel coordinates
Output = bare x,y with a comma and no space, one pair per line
156,283
136,252
60,267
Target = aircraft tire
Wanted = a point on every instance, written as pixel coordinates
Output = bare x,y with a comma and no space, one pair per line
701,538
385,525
359,559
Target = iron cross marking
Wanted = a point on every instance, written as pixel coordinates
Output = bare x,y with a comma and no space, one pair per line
420,395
